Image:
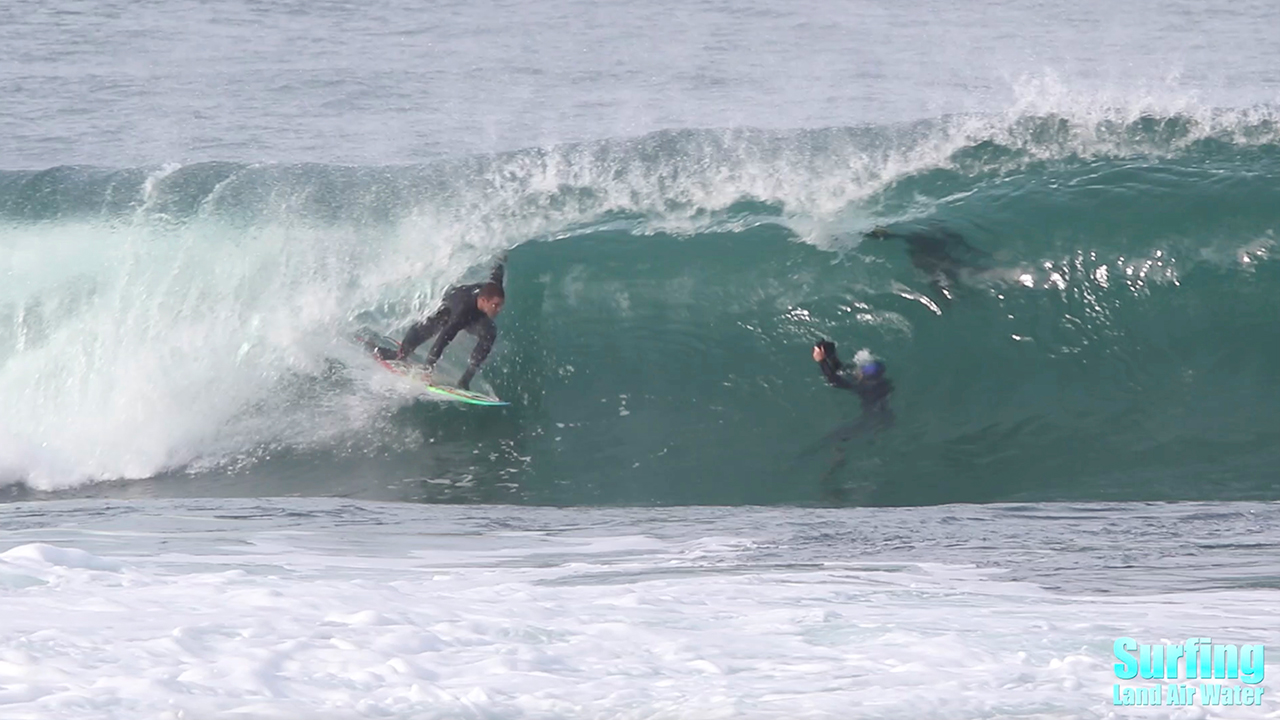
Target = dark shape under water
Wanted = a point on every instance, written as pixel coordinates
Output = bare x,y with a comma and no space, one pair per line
942,254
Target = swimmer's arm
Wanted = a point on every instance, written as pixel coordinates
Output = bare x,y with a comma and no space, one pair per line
831,371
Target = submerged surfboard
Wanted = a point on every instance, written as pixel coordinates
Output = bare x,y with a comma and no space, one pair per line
419,375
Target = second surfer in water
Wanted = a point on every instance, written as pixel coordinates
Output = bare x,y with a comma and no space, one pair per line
873,387
868,380
941,254
465,307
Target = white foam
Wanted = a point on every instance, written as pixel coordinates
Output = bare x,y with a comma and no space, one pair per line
145,347
384,621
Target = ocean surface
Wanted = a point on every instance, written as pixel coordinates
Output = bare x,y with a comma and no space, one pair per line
215,505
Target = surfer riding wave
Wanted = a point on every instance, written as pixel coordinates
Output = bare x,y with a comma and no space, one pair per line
464,307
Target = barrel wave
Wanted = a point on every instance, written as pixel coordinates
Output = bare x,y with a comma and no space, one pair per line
183,330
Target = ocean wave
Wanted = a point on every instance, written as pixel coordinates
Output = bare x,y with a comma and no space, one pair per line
1112,340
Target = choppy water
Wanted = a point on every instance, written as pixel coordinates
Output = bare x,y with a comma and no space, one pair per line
337,609
121,85
199,202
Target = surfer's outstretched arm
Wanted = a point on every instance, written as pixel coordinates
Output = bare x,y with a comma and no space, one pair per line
831,371
824,352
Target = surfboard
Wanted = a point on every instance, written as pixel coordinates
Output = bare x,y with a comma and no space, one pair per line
419,374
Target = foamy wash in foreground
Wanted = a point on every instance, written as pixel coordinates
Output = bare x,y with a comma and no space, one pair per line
1196,658
322,609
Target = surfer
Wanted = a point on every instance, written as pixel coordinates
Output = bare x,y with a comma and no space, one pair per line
868,380
941,254
465,307
873,388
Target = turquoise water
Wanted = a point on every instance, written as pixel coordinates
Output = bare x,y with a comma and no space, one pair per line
1109,339
198,207
1072,280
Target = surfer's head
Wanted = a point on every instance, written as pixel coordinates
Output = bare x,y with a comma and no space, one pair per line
490,299
873,370
868,366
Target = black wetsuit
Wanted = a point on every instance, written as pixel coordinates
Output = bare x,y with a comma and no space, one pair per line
876,416
874,392
457,312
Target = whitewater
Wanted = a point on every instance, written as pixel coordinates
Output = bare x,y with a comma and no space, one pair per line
212,504
332,609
